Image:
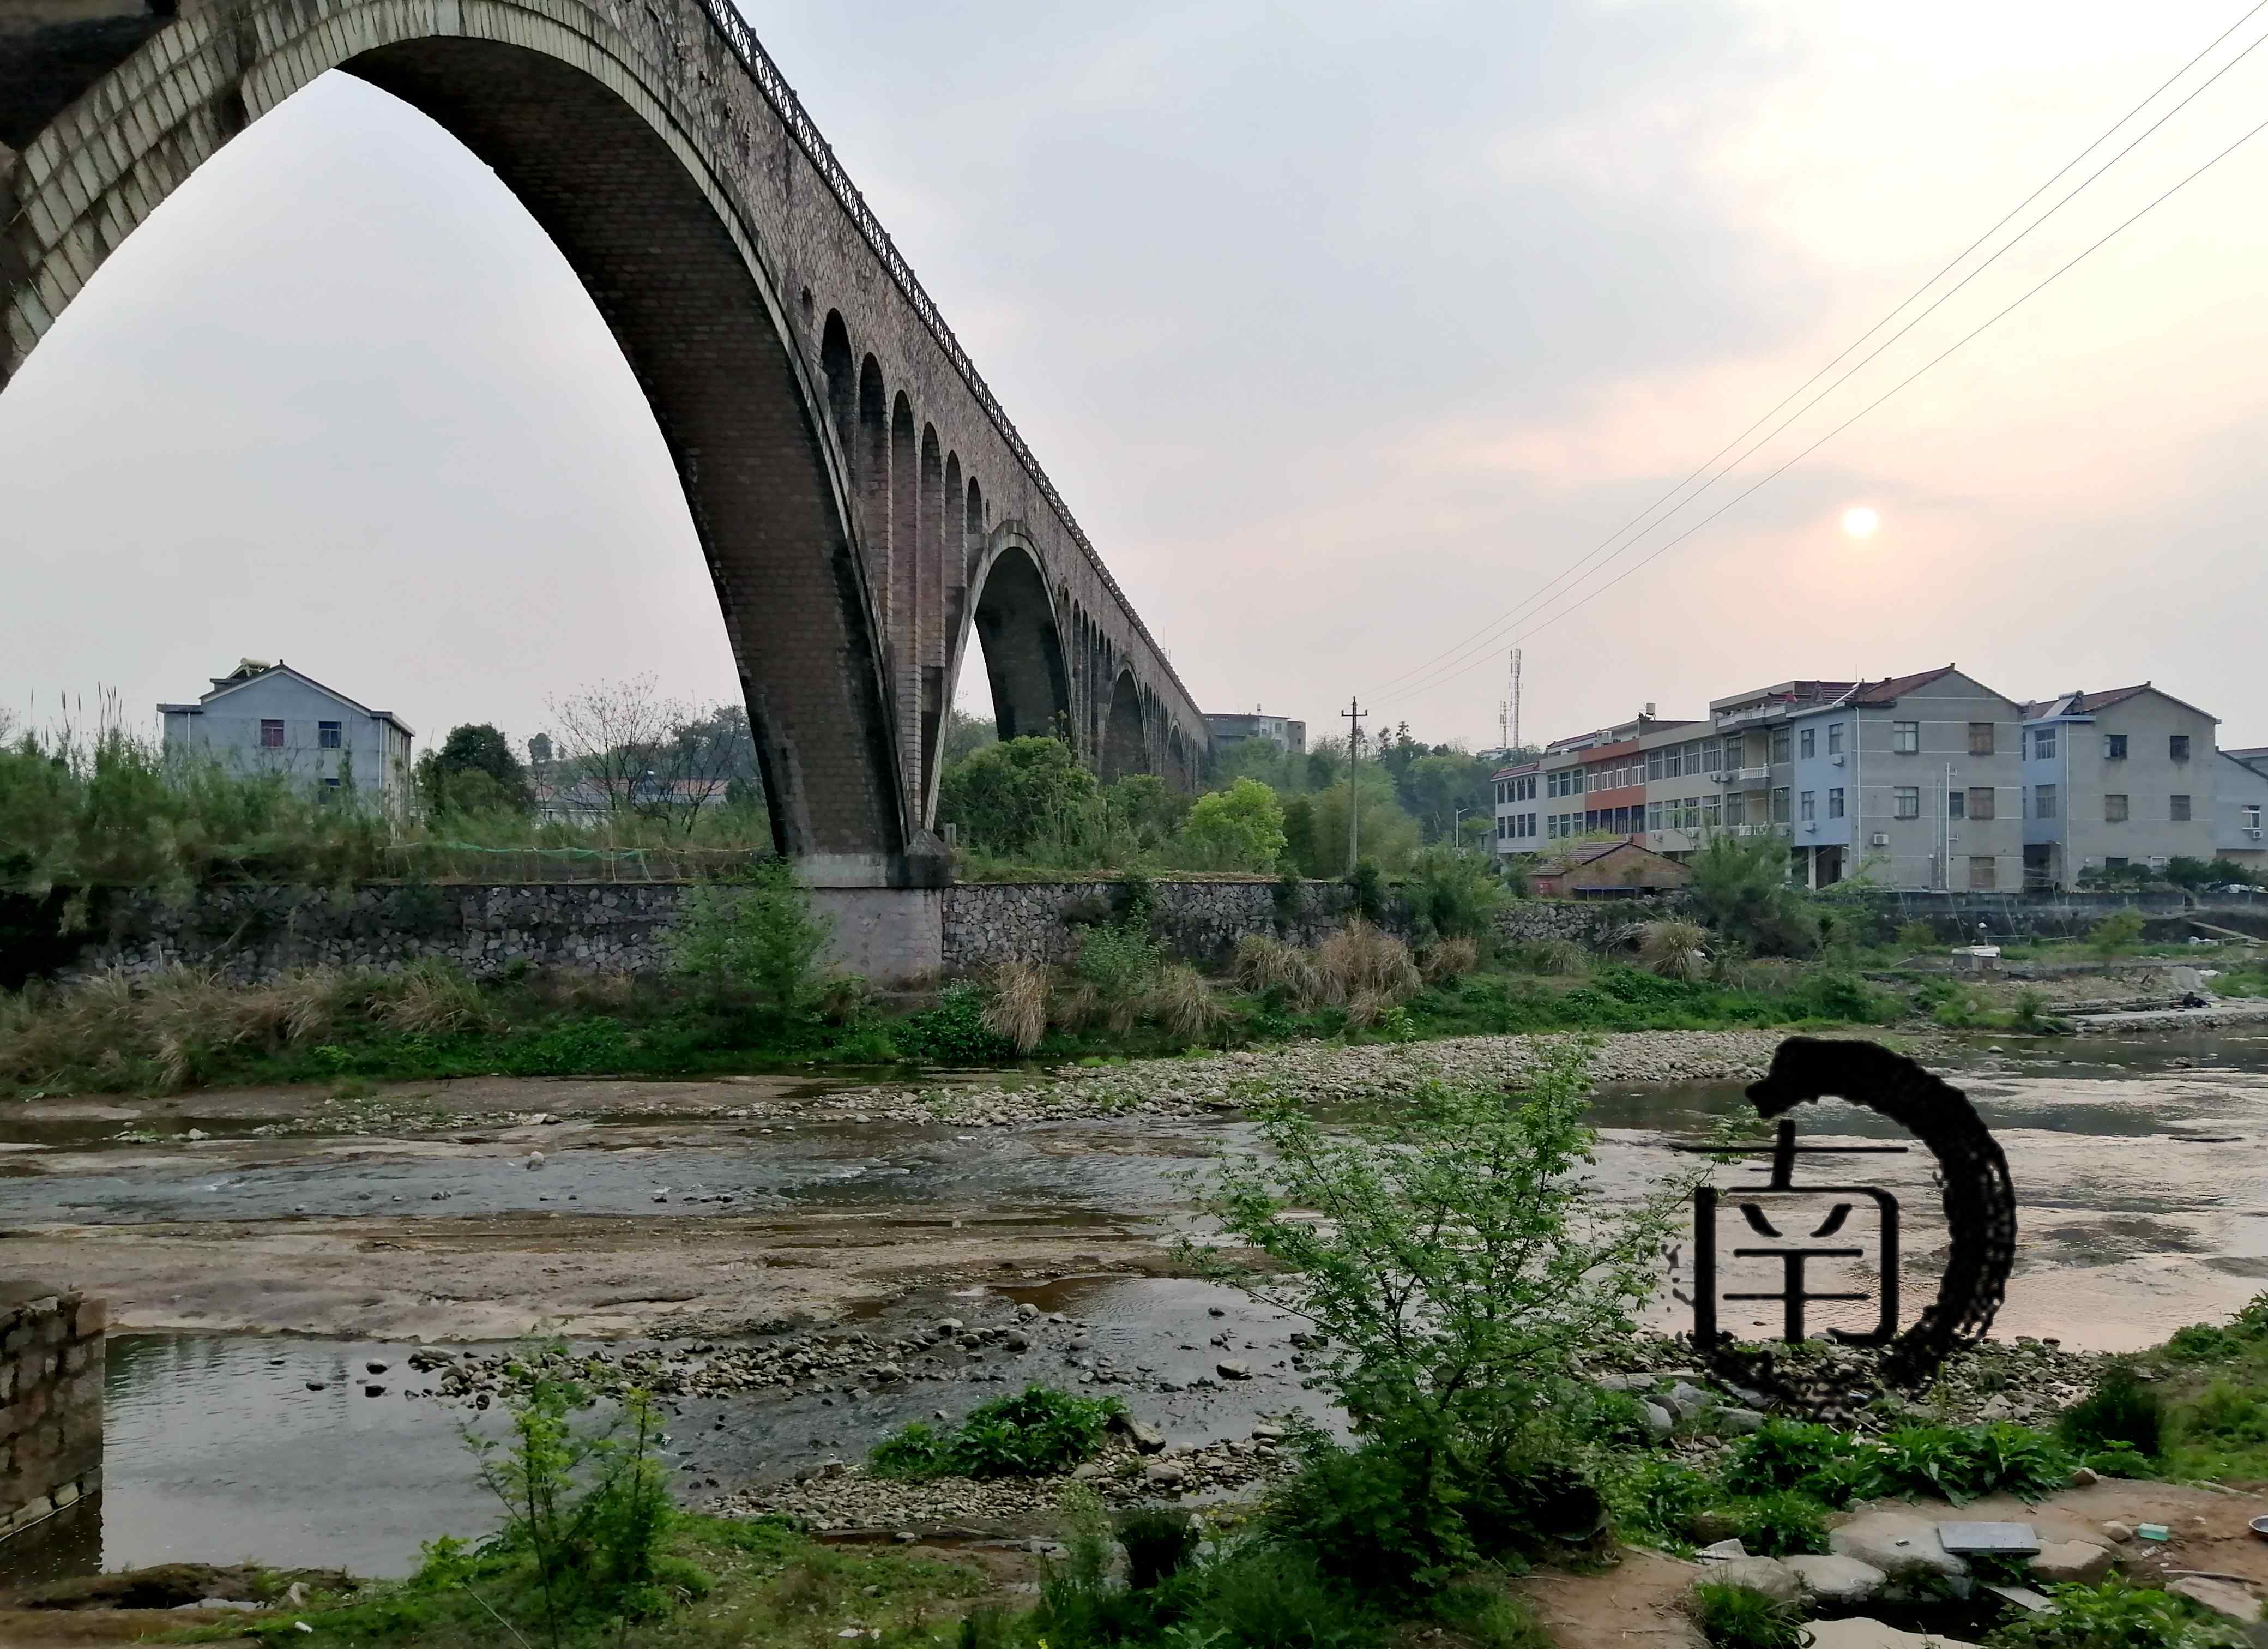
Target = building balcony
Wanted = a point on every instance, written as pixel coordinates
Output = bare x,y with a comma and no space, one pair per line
1744,775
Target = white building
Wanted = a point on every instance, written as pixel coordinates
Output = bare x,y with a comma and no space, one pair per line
269,718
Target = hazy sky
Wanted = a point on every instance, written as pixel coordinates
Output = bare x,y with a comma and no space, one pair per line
1343,327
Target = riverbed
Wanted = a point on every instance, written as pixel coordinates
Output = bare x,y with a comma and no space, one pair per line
259,1252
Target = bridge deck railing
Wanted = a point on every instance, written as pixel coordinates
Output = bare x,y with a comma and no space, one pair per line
734,30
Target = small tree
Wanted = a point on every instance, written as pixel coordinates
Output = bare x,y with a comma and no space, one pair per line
1457,894
1740,887
1011,795
1455,1260
759,935
475,770
1239,829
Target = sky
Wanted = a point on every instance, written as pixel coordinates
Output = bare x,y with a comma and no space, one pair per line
1346,329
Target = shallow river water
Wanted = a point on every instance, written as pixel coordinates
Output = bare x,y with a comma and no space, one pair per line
2142,1183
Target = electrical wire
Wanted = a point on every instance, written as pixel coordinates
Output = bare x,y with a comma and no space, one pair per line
1958,344
1542,596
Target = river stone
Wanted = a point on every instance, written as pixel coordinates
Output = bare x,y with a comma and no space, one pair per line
1836,1580
2080,1560
1860,1632
2120,1532
2222,1597
1233,1371
1767,1575
1898,1544
1736,1422
1686,1400
1658,1419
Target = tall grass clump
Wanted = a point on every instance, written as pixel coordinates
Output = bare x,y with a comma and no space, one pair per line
1674,950
1016,1003
1266,966
1184,1004
1359,960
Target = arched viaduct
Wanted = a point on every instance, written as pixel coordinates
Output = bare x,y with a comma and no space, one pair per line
871,519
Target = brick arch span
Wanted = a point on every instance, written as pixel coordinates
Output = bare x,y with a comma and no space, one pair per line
843,459
1126,727
1019,631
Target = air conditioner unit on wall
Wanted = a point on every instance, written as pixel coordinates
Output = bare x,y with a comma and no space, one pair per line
1880,839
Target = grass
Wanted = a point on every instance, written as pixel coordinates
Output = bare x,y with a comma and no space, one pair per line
762,1583
1033,1433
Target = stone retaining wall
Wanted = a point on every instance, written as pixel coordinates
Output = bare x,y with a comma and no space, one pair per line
51,1370
251,934
255,933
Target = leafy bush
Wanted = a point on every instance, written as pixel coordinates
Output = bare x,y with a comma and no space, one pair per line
1781,1525
1552,957
1239,829
1783,1454
2209,1343
1451,1355
1264,1596
2121,1409
1011,795
1655,1499
1368,888
1740,886
758,935
1159,1540
1455,893
2225,1413
1958,1464
2118,933
1035,1432
1741,1617
1918,936
953,1032
1120,962
2114,1614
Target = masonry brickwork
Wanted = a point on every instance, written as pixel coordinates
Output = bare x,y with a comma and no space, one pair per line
864,504
51,1371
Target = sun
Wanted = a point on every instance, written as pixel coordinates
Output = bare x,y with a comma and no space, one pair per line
1861,522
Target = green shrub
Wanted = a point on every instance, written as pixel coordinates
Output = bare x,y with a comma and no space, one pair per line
1035,1432
1264,1595
1782,1454
2114,1614
1455,892
1487,1619
2225,1413
2119,931
1741,1617
1918,936
2121,1409
759,934
1959,1463
1781,1525
1377,1518
953,1032
1655,1499
1121,962
1367,887
1159,1540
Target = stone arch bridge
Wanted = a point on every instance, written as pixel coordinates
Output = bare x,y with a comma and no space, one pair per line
868,512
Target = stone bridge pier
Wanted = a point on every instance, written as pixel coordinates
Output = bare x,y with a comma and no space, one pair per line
864,504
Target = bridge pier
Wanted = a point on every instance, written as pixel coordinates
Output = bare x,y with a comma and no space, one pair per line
888,911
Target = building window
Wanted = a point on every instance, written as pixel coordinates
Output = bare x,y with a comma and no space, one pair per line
1905,737
1980,801
2114,863
2113,746
1779,744
330,783
1809,743
1835,803
1713,755
1956,805
1736,808
2177,747
2043,743
1808,802
1709,813
271,735
1672,762
1981,873
1980,738
1905,802
2114,809
2181,809
1835,738
2044,801
2252,817
1779,804
327,734
1653,764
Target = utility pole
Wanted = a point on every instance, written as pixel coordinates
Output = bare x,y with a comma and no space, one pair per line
1457,827
1353,713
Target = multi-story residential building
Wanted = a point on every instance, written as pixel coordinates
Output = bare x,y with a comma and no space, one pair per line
2241,797
2125,777
1519,822
269,718
1287,735
1758,771
1914,782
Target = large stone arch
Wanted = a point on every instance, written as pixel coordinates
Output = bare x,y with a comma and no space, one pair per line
1014,621
1125,739
601,152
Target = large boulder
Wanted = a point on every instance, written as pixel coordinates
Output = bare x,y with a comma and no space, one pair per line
1841,1581
1767,1575
2224,1598
1858,1632
2058,1561
1900,1544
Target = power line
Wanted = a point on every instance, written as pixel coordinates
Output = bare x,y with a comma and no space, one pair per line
1887,393
1540,596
